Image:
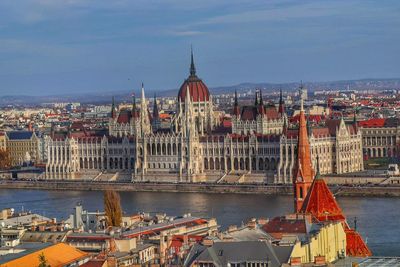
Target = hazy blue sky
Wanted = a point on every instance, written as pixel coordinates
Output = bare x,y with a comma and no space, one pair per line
68,46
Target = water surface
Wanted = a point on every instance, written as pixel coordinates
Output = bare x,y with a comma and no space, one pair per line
377,218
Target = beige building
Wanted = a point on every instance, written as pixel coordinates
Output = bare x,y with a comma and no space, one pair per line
381,137
339,146
24,146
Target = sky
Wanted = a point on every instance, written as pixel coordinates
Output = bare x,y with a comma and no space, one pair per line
76,46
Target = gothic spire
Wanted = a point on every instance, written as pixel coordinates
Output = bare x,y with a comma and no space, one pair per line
256,100
192,66
236,98
261,103
281,108
303,150
113,110
236,109
304,172
155,108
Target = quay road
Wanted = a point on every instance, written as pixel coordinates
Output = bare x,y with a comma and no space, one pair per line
81,185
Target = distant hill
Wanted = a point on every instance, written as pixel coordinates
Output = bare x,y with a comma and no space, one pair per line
363,84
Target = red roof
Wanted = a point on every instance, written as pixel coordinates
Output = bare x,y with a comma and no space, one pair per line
249,113
279,226
272,113
321,203
197,89
124,116
355,246
95,263
372,123
164,116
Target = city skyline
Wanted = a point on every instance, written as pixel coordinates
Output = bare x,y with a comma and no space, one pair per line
56,47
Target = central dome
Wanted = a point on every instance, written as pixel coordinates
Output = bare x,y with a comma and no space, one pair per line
197,89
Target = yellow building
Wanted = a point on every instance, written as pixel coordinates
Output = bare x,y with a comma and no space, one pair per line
329,241
23,146
56,256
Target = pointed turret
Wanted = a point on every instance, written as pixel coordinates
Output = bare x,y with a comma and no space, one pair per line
134,112
261,108
281,108
236,109
156,117
304,172
256,100
144,113
113,109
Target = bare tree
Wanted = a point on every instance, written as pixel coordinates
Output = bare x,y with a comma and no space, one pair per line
112,207
5,159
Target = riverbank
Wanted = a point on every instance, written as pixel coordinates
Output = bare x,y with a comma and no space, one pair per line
360,190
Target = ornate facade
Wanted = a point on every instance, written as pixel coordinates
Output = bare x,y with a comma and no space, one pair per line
196,147
381,137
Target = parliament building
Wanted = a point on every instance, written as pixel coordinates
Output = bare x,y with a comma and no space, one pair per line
258,147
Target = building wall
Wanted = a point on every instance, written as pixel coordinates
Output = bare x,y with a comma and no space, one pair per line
380,142
339,154
262,125
20,148
330,242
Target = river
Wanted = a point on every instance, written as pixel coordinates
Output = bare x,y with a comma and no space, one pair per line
377,218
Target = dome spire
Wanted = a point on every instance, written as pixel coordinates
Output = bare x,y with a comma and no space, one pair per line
192,67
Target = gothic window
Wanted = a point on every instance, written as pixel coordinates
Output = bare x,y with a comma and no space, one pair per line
169,149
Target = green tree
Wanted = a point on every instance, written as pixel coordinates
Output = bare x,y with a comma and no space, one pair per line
112,207
43,261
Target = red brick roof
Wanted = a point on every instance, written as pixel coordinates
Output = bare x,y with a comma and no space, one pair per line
272,113
124,116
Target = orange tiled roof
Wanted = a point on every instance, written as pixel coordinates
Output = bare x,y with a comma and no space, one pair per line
56,255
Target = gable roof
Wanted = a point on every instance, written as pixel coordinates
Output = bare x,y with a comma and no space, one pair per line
321,203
